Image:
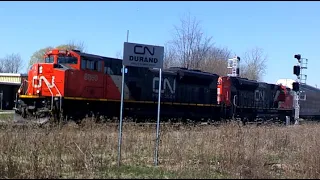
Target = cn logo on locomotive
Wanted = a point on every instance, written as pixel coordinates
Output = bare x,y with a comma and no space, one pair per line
166,85
258,95
39,81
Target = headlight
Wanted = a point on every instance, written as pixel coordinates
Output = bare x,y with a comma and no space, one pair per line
40,69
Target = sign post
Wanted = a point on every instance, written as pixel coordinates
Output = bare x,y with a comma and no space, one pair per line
145,56
121,108
1,97
158,122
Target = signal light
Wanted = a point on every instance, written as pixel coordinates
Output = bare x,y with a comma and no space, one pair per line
295,86
296,70
297,56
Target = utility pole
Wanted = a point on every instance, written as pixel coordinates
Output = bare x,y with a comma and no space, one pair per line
301,80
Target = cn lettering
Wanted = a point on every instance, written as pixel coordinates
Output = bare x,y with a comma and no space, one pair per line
138,49
166,85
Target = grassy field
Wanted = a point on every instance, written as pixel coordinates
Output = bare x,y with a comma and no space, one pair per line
227,151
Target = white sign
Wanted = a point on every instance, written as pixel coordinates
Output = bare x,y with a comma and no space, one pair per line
142,55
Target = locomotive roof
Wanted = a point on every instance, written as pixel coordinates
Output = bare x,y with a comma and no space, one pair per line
182,71
288,83
246,81
306,86
93,56
185,71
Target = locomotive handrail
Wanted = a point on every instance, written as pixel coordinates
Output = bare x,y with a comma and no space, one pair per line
50,93
53,85
234,100
59,95
27,87
21,86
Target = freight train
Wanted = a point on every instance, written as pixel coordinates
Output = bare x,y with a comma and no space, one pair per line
73,85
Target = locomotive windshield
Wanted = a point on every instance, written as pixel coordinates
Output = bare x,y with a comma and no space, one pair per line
67,60
49,59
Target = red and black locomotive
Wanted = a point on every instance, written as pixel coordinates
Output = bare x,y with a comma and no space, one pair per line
73,84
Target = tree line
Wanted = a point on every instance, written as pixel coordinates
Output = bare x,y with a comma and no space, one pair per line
11,63
188,47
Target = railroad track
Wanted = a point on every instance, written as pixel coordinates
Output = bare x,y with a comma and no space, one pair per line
43,122
19,121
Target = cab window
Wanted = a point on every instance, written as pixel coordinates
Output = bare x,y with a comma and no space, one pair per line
67,60
49,59
91,64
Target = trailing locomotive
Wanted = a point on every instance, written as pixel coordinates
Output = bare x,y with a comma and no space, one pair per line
73,84
309,100
248,99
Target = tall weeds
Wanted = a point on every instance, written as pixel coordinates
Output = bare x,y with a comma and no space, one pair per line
228,151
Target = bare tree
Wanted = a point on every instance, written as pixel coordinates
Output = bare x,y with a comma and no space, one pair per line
253,64
11,63
38,55
169,58
190,48
119,55
189,43
216,61
73,45
2,65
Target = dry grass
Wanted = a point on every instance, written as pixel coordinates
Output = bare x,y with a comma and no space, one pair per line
228,151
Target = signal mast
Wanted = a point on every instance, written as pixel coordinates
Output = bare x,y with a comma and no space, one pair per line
301,80
233,64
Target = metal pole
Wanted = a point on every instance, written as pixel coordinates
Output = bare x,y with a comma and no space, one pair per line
1,98
121,109
287,120
15,104
158,121
120,125
297,108
297,94
127,35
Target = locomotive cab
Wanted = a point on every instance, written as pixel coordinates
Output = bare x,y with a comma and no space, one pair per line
63,58
46,78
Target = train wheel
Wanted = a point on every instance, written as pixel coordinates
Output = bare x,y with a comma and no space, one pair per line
244,121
